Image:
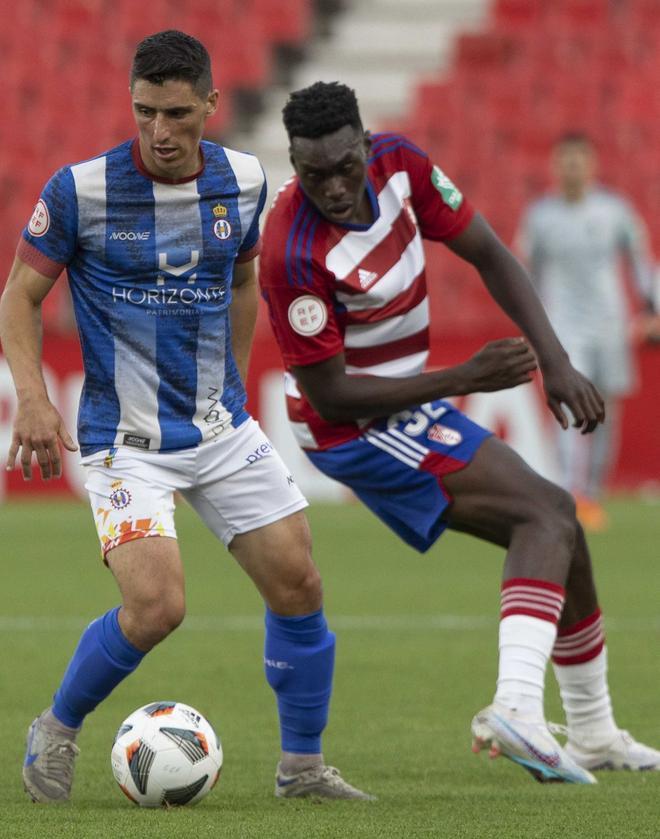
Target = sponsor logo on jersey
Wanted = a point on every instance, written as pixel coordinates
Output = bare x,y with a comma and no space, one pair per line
451,195
261,451
168,296
178,270
222,229
40,220
130,235
136,442
216,415
219,211
120,498
366,278
308,315
443,434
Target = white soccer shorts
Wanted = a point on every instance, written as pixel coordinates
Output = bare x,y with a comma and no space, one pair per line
236,483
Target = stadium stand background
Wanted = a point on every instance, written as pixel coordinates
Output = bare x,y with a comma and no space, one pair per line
485,87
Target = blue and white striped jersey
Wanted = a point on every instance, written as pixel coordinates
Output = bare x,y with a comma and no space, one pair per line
150,265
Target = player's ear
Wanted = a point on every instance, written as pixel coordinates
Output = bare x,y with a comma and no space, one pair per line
366,139
212,102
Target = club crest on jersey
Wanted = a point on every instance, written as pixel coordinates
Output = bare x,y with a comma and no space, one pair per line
222,229
443,434
40,220
120,498
451,195
308,315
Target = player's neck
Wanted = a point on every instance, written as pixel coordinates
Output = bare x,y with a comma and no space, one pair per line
574,193
365,213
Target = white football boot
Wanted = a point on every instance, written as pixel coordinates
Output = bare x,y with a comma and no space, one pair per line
623,752
527,742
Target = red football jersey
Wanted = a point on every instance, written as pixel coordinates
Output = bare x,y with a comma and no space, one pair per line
360,289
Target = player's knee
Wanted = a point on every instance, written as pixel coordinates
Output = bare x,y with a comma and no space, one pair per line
152,620
299,592
559,514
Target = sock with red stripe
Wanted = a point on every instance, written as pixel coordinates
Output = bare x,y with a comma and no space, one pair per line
579,660
528,629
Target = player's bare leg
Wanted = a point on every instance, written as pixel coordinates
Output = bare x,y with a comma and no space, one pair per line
500,499
150,579
299,653
149,573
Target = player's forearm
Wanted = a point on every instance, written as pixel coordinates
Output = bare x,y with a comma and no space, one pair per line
351,398
243,317
20,335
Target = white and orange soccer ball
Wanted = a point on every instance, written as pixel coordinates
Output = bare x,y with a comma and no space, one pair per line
166,754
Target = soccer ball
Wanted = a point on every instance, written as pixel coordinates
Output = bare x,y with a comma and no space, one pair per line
166,754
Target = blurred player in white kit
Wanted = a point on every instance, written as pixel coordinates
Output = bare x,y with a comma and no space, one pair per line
574,240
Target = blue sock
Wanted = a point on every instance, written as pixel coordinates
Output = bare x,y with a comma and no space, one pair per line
103,658
299,658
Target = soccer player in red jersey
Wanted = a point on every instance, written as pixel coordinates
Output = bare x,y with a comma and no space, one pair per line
342,271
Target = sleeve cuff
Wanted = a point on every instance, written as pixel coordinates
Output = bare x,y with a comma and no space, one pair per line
246,256
41,263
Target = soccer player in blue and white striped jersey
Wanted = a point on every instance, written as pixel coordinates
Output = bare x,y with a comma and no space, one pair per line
158,237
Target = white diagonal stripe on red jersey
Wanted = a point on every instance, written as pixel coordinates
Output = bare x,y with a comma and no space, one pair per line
365,356
387,331
291,386
407,365
355,245
400,304
394,277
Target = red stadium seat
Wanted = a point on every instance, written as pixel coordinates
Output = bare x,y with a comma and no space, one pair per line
541,69
287,22
71,88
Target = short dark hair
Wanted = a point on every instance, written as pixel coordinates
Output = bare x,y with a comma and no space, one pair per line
173,55
320,109
574,138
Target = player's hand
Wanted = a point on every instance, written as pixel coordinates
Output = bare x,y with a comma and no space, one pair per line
499,365
646,329
39,429
564,385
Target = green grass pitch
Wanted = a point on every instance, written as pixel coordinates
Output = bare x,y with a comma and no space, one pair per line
416,657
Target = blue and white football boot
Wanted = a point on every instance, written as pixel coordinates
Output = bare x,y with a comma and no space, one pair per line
527,742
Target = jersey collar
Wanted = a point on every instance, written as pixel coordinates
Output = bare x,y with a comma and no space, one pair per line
142,169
